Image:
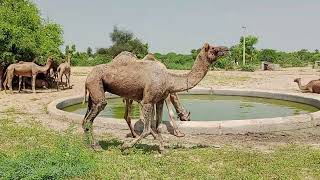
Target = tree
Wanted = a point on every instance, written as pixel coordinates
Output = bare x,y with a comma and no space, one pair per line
89,51
251,52
24,35
67,49
269,55
124,40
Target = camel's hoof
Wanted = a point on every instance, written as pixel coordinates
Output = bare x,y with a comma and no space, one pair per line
125,146
178,134
96,147
163,151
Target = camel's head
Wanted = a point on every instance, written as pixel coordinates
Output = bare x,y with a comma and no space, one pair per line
50,59
297,80
214,52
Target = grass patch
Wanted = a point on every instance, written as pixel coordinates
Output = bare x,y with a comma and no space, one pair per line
34,152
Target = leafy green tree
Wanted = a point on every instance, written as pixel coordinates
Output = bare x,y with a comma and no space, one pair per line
89,51
251,51
125,41
67,49
269,55
24,35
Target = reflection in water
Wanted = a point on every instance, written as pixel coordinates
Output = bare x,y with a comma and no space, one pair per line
213,108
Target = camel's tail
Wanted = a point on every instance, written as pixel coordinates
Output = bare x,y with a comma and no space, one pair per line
85,94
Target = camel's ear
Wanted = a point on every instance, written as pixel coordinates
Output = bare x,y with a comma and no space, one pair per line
206,47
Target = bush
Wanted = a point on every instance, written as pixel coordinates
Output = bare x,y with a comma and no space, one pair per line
225,63
248,67
84,60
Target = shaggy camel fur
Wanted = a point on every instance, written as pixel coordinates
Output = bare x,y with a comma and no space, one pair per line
182,113
147,82
313,86
64,69
25,69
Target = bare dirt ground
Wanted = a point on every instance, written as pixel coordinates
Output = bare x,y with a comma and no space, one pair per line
28,106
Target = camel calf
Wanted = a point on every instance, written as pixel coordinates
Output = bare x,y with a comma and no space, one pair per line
64,69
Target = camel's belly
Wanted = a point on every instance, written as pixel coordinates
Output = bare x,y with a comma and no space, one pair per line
130,91
22,73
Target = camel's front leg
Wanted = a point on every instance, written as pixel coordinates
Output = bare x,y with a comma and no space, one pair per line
20,80
34,83
87,124
24,83
69,85
148,117
176,130
182,113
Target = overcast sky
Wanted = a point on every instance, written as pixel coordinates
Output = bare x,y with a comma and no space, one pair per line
182,25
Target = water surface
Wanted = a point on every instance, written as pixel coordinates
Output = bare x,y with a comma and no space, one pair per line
213,108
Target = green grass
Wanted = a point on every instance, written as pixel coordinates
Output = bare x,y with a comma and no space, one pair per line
31,151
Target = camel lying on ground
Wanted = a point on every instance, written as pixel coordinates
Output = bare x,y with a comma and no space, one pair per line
64,69
25,69
313,86
147,82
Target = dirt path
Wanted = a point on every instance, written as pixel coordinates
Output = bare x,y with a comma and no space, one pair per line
29,106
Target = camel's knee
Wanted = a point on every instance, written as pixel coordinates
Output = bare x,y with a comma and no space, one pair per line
102,105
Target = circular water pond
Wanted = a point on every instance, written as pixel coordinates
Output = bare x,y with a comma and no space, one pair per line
213,108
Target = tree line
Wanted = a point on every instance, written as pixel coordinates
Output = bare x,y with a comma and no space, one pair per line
24,35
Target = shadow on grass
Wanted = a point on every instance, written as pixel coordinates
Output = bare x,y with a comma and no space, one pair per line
116,144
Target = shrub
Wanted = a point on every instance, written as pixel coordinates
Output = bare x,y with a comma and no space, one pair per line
225,63
248,67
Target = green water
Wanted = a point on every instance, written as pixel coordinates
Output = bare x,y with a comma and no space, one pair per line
213,108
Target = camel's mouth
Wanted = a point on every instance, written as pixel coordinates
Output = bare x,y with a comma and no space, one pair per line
223,51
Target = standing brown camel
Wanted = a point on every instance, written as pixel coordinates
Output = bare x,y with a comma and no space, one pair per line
1,76
182,113
25,69
64,69
313,86
147,82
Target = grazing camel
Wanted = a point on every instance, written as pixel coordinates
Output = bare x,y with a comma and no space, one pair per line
313,86
64,69
25,69
147,82
1,76
182,113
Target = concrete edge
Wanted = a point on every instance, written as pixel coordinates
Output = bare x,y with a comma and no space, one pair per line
263,125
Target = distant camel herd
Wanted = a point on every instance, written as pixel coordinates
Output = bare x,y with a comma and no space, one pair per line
24,70
146,81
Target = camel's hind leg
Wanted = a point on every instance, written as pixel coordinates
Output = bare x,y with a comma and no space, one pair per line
127,116
9,82
96,103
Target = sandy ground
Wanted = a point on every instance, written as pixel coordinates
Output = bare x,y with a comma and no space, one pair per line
28,106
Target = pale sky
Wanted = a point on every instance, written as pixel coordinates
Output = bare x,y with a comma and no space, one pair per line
182,25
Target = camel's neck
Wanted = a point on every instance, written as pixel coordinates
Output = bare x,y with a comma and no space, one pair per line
46,67
182,82
69,60
301,87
